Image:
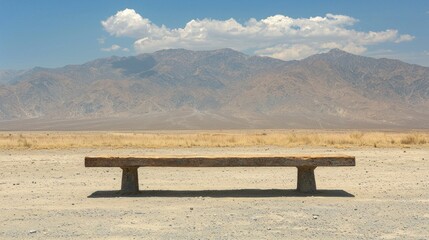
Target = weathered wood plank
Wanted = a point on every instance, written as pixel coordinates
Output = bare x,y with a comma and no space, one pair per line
222,161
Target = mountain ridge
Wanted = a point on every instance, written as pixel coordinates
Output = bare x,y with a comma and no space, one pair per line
336,89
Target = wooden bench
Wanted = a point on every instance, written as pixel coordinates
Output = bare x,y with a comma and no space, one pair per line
305,164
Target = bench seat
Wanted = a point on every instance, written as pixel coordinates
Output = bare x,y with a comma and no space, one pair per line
305,164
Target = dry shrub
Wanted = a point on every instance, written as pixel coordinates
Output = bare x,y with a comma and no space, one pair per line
414,139
174,139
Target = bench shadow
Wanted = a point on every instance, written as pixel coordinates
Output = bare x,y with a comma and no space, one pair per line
232,193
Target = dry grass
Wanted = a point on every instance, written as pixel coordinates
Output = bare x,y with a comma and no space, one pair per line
186,139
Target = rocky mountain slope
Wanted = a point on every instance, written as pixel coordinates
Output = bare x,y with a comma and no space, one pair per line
182,89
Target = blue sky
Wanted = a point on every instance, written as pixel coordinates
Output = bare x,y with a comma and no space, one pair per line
51,33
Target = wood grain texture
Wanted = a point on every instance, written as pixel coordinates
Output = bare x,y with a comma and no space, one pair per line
221,161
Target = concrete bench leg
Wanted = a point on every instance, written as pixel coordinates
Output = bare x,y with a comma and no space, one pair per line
306,180
130,180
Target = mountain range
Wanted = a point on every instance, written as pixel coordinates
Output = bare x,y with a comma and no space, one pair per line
219,89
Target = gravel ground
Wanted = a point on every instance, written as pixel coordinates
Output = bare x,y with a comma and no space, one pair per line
51,195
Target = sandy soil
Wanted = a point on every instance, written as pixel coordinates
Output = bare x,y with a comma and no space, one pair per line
51,195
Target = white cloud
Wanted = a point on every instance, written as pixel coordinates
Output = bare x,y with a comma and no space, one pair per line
404,38
115,47
287,52
112,48
277,36
131,24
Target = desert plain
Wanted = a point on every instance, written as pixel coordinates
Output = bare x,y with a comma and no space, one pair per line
47,193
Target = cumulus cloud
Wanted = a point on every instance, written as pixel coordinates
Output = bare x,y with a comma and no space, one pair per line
131,24
113,48
276,36
404,38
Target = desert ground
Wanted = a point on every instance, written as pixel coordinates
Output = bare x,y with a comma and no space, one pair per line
49,194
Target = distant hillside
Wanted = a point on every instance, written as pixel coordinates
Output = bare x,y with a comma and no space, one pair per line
8,76
181,89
